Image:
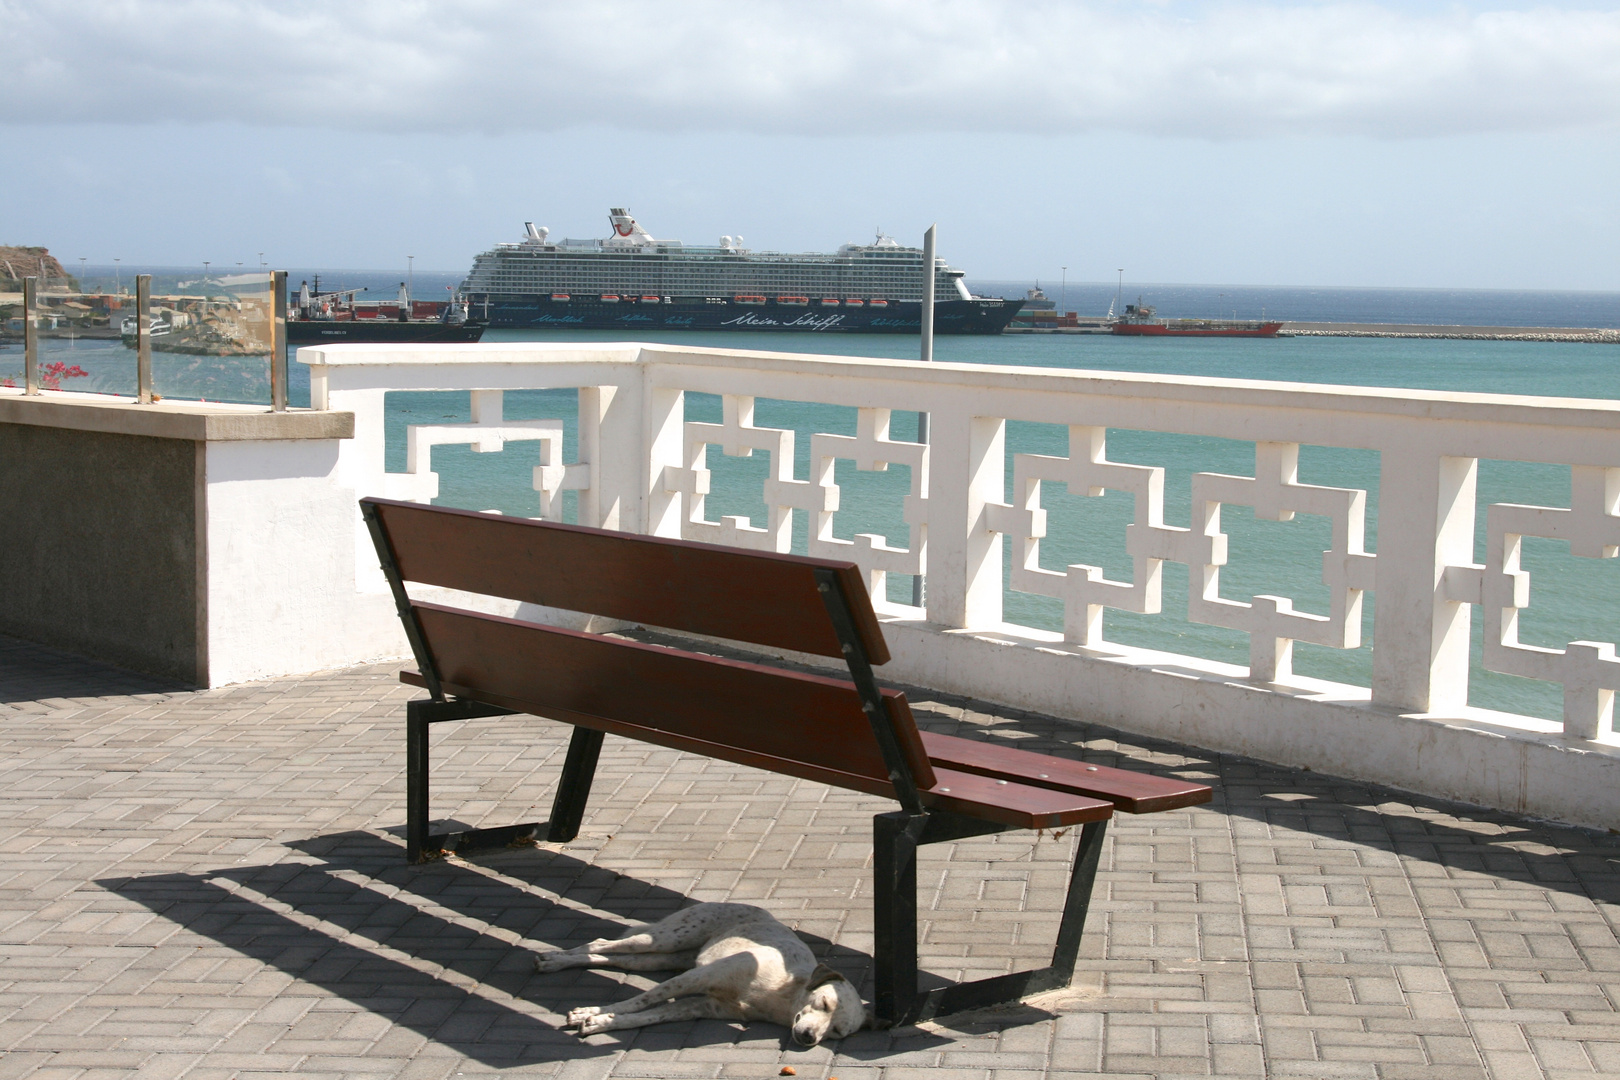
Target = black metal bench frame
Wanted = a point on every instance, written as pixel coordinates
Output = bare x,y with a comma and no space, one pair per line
896,836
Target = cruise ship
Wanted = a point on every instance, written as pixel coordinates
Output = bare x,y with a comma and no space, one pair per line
630,281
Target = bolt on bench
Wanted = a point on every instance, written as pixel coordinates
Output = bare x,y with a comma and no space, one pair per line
848,733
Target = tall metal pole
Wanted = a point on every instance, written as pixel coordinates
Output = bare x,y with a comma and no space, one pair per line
278,341
929,238
928,295
143,339
30,338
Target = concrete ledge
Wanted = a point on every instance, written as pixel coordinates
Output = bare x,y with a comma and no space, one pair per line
1489,759
192,420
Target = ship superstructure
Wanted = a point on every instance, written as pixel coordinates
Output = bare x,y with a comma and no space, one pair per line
631,279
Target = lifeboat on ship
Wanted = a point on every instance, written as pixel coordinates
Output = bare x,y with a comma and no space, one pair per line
610,298
829,302
749,299
561,296
649,299
854,303
795,301
878,303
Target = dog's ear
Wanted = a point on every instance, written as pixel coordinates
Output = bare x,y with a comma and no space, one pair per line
821,976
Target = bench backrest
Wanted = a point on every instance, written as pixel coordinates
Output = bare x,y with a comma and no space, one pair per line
806,725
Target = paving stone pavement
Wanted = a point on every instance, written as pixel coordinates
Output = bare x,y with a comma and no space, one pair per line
211,885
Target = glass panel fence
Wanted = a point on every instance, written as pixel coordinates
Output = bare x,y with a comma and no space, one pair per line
211,336
77,335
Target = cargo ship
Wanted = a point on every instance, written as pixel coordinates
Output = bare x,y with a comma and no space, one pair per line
632,282
1138,321
340,317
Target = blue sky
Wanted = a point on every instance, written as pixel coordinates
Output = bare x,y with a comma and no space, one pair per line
1469,145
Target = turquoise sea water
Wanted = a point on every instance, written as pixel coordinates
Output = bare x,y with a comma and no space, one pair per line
1571,598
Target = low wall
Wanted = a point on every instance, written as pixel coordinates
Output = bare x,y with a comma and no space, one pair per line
173,538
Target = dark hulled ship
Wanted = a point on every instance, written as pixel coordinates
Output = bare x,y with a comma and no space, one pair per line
631,282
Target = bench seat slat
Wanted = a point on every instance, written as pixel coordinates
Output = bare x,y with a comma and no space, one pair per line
1133,792
1018,805
1011,803
738,709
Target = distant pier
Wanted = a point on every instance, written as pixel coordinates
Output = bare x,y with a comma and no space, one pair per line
1474,333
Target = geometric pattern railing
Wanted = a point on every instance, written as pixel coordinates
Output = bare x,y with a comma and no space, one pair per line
1274,492
1501,588
489,433
870,448
1589,671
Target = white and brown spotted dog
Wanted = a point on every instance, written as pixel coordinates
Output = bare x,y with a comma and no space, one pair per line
737,963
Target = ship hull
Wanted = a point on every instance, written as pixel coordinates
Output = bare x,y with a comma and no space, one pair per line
1248,330
342,332
592,313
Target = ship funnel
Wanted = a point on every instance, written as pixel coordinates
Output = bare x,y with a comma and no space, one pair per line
625,229
539,234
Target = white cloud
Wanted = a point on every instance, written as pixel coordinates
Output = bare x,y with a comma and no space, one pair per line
834,67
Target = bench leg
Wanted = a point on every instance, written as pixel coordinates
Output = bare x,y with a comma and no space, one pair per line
416,781
420,845
574,788
896,999
895,838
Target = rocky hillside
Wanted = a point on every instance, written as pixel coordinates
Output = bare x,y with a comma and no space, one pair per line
17,263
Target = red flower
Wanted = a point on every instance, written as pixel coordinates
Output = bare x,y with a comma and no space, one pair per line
52,374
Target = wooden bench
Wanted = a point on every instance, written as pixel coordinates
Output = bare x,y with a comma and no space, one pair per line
847,732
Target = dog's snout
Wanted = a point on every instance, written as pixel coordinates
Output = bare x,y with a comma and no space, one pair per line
805,1038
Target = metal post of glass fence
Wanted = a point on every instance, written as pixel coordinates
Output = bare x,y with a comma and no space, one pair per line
30,338
278,341
143,338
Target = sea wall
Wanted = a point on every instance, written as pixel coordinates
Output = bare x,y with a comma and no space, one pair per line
1593,335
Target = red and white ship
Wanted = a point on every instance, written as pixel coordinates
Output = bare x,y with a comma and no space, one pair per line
1138,321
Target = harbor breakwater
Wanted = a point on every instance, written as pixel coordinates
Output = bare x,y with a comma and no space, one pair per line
1474,333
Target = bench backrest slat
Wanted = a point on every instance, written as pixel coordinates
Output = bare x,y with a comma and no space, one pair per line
763,599
794,723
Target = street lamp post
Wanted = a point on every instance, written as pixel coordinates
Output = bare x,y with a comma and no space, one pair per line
118,277
1119,293
410,275
1063,293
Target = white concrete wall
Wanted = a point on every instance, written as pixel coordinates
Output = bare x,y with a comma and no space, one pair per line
281,569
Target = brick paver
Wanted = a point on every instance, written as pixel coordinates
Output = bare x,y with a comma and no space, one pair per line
210,885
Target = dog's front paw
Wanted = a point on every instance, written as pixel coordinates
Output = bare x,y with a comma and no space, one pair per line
550,961
590,1025
577,1017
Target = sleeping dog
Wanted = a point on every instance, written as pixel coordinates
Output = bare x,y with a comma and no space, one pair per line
737,963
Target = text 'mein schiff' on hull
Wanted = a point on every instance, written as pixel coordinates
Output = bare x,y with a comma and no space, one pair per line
630,281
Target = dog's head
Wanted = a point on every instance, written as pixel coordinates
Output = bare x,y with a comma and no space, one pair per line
831,1007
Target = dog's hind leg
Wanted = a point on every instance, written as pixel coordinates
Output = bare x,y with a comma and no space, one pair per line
647,961
701,1007
730,973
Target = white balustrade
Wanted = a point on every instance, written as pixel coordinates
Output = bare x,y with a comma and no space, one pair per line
643,467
